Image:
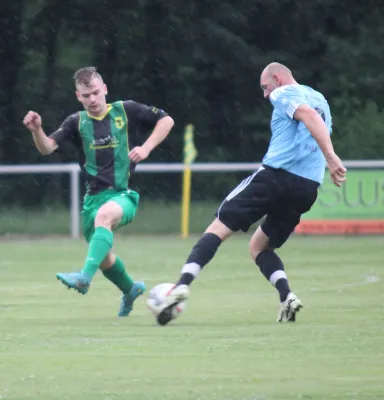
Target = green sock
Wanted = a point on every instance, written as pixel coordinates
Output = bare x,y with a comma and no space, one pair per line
99,246
118,275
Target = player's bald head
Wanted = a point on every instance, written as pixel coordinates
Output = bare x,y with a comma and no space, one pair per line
275,75
277,68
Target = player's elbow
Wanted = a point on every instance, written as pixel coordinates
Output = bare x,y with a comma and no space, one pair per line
168,121
46,152
48,149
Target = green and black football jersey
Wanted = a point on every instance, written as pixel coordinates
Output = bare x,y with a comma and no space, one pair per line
104,142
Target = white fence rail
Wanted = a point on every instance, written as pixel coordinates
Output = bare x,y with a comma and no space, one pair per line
74,171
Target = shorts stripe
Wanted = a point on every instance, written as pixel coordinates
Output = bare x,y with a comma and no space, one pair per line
242,185
239,188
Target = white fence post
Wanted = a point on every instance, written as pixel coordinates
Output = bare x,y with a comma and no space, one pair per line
75,202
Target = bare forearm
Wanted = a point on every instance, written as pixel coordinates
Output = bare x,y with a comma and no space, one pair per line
161,131
319,132
44,144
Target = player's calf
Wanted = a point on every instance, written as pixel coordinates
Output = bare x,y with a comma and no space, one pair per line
272,268
201,254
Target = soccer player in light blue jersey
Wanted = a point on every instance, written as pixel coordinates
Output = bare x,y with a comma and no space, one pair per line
300,142
284,188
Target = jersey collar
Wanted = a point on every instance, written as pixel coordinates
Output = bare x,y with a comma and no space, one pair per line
109,107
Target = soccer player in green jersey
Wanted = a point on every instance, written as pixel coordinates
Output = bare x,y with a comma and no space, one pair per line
108,140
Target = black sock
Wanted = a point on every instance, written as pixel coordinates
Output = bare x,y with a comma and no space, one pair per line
185,279
272,268
283,288
202,253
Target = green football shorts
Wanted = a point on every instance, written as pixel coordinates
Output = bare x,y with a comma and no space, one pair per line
128,201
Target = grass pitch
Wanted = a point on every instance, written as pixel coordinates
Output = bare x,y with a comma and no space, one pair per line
56,344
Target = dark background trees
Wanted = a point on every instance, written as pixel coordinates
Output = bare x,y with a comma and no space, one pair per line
198,60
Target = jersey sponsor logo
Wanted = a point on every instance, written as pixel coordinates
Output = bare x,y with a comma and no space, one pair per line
311,147
104,143
119,123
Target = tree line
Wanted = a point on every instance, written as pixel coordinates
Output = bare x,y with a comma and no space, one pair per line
198,60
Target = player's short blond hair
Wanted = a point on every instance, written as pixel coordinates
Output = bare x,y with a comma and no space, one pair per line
84,76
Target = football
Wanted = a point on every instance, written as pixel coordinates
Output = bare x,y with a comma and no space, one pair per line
157,295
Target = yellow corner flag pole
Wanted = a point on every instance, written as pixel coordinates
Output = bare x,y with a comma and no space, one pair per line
190,154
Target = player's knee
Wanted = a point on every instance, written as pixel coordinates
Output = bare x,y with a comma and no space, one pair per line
219,229
256,247
258,243
253,251
108,216
104,218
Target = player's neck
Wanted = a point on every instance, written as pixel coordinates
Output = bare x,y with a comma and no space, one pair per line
289,81
100,114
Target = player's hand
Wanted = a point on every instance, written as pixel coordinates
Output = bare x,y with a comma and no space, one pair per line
32,121
138,154
337,170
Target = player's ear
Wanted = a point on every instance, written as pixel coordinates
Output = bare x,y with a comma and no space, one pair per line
105,89
78,96
276,78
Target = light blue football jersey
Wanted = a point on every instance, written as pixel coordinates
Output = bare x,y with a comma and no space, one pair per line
292,146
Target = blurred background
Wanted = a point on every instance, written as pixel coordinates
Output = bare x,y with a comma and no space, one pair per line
198,60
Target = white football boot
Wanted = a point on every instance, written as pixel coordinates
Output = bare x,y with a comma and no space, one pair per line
289,308
175,296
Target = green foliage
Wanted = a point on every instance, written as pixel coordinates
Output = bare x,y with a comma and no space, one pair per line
200,61
360,131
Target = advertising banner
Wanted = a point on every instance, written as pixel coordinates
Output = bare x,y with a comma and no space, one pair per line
356,208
